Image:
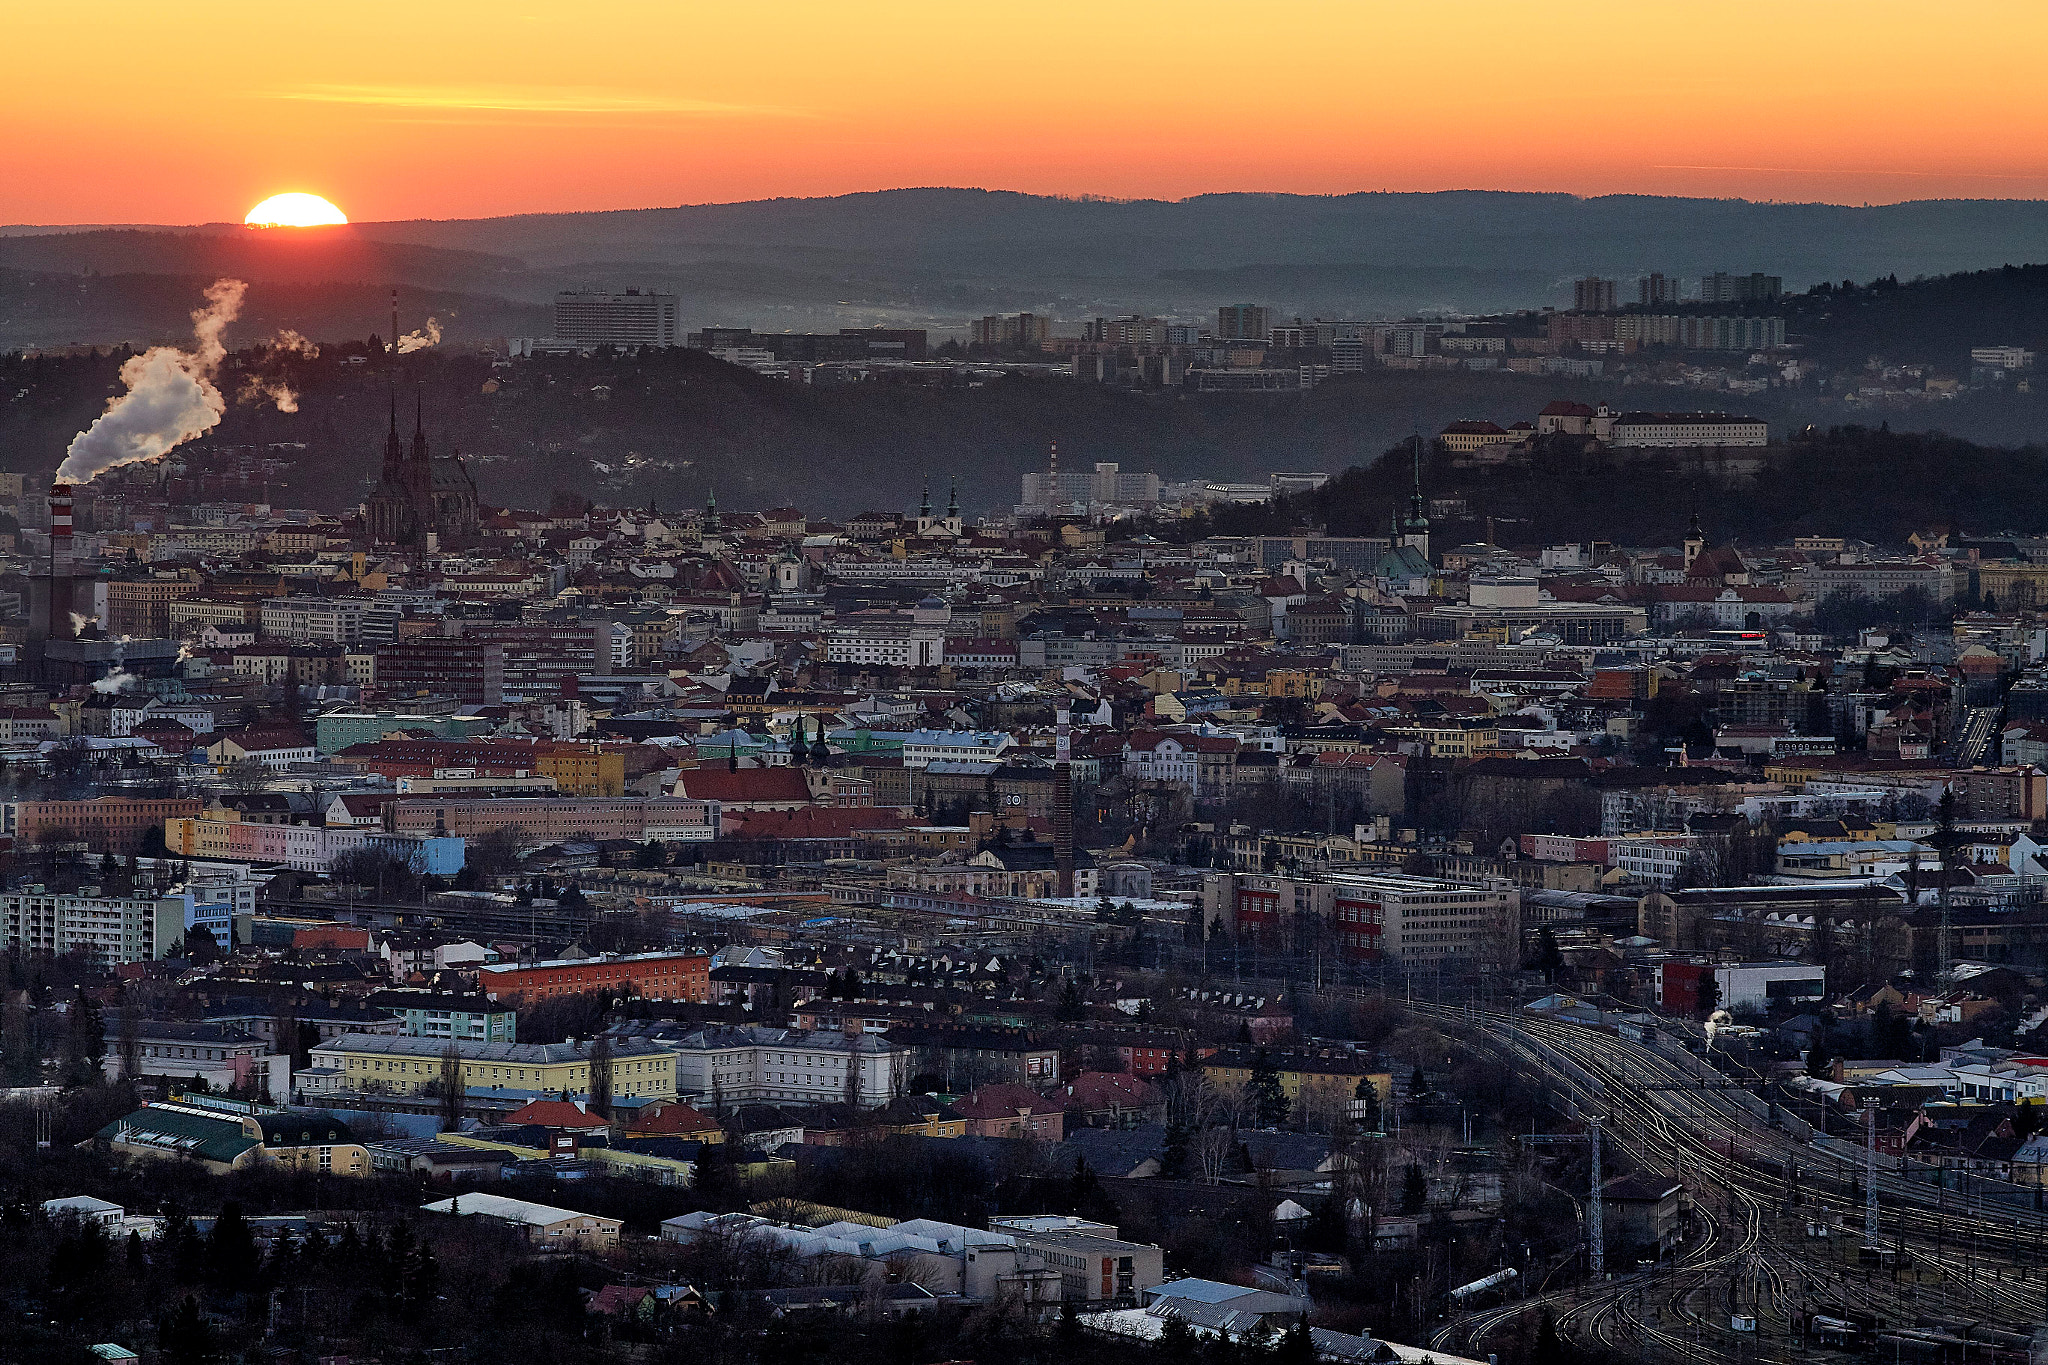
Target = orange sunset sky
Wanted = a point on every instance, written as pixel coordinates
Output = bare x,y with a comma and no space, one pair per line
131,112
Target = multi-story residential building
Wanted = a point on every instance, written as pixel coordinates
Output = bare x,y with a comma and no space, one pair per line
141,607
735,1065
126,718
1243,322
923,747
651,976
105,824
1331,1077
110,929
1205,764
198,610
1657,287
1593,295
1449,739
539,657
29,724
306,848
547,820
890,643
2003,357
628,319
331,620
465,667
1653,860
1876,578
224,1058
1757,287
366,1063
1026,330
1368,915
431,1014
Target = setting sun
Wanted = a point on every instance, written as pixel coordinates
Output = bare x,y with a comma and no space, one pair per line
294,210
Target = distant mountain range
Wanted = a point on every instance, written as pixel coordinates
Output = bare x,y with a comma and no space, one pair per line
937,257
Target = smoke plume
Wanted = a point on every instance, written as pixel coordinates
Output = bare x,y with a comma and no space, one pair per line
430,335
296,342
170,396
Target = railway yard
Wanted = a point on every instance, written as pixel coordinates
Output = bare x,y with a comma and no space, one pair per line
1779,1265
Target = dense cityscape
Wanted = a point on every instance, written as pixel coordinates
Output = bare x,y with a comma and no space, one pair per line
1135,912
1356,686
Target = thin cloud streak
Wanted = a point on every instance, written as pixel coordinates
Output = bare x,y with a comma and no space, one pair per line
1836,170
484,99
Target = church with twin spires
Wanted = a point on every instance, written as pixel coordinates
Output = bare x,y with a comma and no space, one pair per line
418,495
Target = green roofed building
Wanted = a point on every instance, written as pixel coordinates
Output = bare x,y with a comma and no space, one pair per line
231,1135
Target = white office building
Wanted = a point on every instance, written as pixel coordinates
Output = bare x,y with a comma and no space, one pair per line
894,644
315,620
633,318
924,747
736,1065
1685,429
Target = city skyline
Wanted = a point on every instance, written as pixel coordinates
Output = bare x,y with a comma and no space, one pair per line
468,111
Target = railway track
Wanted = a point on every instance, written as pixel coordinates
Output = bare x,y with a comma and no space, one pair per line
1749,1247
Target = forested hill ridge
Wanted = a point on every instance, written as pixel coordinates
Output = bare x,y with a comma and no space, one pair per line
938,257
673,427
1936,320
1865,483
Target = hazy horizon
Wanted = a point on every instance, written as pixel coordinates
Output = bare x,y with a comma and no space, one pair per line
1083,197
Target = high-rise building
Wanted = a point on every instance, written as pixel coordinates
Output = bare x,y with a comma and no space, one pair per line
1593,295
1243,322
1655,288
1722,287
634,318
1128,331
462,666
1017,329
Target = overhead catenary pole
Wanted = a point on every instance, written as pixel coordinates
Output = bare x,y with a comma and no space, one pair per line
1596,1229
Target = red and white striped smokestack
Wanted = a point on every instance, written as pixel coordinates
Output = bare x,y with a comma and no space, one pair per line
60,522
59,627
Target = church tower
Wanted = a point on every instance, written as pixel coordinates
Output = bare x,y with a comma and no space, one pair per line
925,519
1695,540
394,451
418,475
952,521
1415,530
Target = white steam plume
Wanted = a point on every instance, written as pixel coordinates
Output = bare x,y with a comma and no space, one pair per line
118,678
430,335
171,396
257,388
